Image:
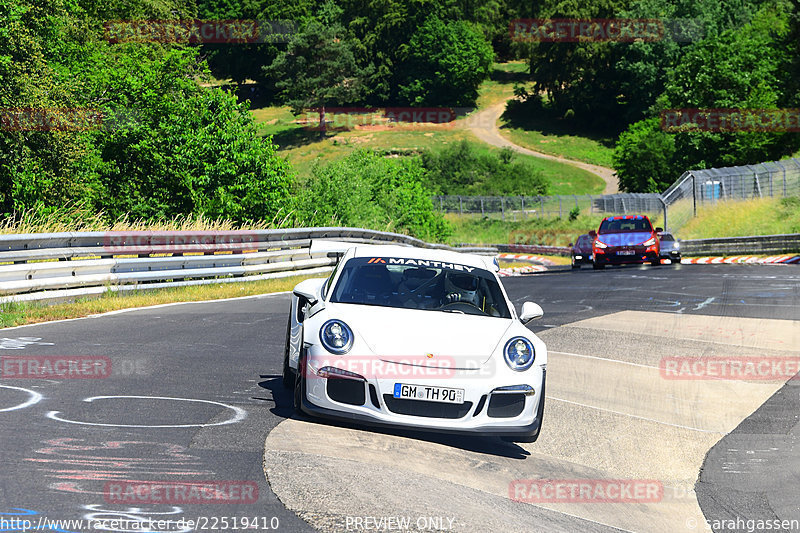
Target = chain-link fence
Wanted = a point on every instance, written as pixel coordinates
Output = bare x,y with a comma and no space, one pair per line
514,208
696,189
672,209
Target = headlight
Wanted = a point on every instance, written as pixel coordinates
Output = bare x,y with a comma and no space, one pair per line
650,242
336,336
519,354
677,245
600,244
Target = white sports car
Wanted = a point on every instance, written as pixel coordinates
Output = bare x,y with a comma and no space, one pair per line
423,339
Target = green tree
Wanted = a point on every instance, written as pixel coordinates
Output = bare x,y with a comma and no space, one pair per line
444,63
644,158
318,70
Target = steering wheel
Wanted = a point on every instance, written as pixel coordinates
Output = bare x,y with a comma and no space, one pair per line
465,307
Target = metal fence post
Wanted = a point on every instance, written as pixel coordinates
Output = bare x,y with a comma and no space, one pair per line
482,214
460,206
522,201
694,194
503,207
560,214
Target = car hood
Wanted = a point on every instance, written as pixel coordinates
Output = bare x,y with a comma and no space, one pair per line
453,340
626,238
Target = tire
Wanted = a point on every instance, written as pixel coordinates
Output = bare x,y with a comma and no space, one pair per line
656,262
598,266
299,385
288,377
574,264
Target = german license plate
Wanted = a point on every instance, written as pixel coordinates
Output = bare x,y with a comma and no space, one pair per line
626,252
428,393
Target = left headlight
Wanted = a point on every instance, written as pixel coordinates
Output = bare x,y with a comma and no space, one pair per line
519,354
336,336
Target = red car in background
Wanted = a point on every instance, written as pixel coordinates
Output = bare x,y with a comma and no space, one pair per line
624,240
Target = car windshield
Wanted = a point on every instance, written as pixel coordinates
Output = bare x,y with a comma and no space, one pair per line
666,237
612,225
420,284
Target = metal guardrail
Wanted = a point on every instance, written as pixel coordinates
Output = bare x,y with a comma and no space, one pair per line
63,265
765,244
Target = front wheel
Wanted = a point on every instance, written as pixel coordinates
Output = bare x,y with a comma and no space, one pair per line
655,262
299,385
288,377
598,266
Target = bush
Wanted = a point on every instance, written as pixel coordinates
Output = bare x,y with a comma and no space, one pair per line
644,157
369,191
464,169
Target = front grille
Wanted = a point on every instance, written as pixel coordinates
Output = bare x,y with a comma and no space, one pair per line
426,409
349,391
506,405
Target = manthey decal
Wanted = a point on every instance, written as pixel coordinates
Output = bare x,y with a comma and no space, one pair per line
420,263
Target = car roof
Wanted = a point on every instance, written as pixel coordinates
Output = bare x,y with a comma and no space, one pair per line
626,217
409,252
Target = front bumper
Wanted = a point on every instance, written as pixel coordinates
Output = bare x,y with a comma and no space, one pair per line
621,255
483,412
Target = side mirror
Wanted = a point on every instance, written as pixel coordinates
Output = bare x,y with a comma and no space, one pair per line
593,234
530,311
659,230
309,289
570,245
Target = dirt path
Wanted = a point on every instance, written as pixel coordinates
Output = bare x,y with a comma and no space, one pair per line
484,125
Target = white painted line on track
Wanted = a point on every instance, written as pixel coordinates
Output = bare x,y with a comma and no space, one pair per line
156,306
240,415
35,397
636,416
605,359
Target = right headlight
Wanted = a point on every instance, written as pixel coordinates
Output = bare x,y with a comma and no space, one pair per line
519,354
336,336
600,244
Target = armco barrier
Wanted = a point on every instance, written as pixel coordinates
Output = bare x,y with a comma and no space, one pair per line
63,265
759,245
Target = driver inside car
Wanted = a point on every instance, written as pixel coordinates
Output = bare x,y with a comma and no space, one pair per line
459,287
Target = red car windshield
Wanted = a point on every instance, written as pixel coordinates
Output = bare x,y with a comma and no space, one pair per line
619,225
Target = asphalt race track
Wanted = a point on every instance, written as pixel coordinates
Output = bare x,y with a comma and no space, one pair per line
192,394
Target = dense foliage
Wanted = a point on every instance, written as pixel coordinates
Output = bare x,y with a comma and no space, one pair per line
464,169
368,190
160,144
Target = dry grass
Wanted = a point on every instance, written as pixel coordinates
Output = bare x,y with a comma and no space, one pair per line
80,218
16,314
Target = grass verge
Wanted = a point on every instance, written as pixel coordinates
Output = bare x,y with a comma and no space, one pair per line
760,216
19,313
